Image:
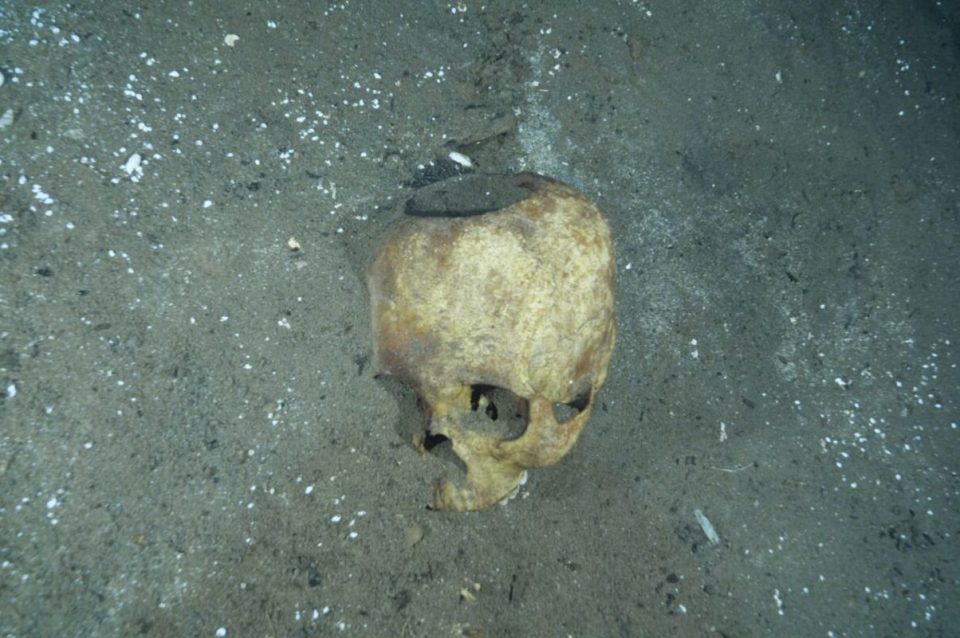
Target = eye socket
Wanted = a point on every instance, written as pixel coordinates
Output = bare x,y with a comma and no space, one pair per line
580,402
487,397
503,411
484,394
563,412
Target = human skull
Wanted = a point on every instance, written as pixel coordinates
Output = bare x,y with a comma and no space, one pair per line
518,297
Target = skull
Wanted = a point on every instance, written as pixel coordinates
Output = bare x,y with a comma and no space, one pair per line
475,294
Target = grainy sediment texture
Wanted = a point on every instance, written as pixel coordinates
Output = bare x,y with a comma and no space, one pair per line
192,444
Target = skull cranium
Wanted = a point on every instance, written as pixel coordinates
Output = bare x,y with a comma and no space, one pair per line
520,297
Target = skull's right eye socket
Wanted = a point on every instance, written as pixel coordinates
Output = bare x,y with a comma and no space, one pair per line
483,394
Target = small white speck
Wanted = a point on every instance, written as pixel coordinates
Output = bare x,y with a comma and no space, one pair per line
11,390
336,518
207,203
221,632
308,489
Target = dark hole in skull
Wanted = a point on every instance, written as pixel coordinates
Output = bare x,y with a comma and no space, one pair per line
479,395
495,411
563,412
431,440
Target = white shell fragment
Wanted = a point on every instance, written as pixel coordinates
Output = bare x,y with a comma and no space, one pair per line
133,167
707,527
3,78
460,159
6,119
230,39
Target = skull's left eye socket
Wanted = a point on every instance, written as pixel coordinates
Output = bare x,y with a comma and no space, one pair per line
563,412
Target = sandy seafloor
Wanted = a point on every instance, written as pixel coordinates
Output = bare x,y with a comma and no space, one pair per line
193,443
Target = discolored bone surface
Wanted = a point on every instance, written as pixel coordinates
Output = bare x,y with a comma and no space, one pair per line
520,297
